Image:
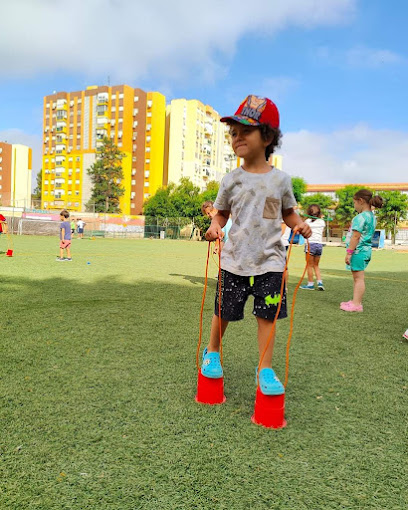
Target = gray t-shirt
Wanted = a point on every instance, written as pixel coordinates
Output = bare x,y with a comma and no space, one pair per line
256,202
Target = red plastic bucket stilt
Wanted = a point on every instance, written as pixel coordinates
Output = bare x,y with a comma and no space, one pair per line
269,410
9,253
210,391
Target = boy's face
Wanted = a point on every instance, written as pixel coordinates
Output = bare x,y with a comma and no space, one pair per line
247,141
210,212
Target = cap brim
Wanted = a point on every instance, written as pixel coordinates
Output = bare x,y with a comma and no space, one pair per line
241,120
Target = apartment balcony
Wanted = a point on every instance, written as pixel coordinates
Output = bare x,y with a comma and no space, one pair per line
61,115
102,101
102,123
61,129
61,107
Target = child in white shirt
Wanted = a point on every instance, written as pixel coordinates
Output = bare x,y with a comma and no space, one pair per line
316,247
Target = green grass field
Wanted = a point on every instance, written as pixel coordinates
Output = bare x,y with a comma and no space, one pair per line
98,377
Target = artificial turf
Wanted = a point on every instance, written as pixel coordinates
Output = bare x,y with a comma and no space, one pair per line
98,377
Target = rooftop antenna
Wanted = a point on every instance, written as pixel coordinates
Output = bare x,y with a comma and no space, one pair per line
108,80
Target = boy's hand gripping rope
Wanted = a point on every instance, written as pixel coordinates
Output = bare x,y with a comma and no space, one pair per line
285,272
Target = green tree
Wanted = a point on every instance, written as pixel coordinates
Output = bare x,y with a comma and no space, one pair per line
322,200
106,175
210,192
186,198
299,188
394,210
160,205
345,211
36,196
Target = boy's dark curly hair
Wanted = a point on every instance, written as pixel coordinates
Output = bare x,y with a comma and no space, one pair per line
267,132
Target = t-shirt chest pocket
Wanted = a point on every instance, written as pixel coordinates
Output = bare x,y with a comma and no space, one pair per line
272,208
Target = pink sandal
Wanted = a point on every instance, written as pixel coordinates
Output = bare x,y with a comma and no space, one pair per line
351,307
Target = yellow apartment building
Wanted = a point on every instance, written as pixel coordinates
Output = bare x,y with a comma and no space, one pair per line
15,175
196,144
73,129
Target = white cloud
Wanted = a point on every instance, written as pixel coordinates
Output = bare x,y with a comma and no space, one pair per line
369,57
360,57
359,154
127,39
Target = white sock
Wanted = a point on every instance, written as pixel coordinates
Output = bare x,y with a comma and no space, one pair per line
320,281
310,284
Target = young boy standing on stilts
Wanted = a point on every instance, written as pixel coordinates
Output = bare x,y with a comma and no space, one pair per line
258,197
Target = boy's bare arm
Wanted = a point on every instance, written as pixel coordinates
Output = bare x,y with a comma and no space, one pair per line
217,223
4,226
292,220
62,233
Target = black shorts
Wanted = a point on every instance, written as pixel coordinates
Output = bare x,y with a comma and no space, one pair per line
235,290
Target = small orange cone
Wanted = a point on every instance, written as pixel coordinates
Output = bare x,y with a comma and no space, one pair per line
9,253
269,410
210,391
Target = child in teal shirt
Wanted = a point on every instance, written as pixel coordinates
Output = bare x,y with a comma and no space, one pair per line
359,246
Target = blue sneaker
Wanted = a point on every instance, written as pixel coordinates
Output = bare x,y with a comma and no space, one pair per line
269,384
320,286
307,287
211,366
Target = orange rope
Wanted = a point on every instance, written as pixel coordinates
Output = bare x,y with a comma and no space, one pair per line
200,336
219,297
202,308
292,312
284,274
279,307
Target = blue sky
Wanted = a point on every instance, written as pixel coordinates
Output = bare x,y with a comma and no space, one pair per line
337,70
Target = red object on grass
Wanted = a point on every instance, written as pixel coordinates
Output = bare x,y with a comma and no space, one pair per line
269,410
210,391
9,253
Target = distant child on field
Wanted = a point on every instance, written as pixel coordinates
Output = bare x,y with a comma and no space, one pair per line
258,197
405,335
209,210
359,247
3,225
72,227
65,237
316,247
81,226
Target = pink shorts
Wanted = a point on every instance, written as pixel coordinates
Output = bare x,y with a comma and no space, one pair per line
65,244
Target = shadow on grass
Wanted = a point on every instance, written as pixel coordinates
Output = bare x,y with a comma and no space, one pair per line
97,384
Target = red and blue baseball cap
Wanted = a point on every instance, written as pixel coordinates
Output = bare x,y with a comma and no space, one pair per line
254,111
